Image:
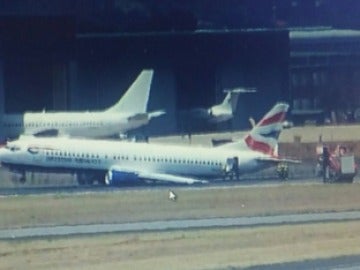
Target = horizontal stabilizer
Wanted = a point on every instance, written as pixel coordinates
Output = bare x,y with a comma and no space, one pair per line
145,116
156,113
241,90
138,117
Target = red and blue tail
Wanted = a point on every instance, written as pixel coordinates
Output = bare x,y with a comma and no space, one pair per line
265,134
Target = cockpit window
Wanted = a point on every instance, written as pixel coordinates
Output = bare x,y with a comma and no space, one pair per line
12,148
33,150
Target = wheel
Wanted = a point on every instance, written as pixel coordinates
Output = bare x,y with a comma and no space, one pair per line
17,177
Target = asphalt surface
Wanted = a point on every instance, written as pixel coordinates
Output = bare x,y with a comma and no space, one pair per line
337,263
74,189
183,224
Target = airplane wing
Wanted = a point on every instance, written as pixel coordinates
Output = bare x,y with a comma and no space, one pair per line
118,174
170,178
278,160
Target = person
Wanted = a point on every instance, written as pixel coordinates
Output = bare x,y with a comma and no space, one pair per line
326,163
342,150
282,171
172,196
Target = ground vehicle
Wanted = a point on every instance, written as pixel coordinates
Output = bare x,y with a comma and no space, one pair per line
339,164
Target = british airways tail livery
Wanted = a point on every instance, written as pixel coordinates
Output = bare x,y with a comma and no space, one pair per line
115,162
128,113
265,134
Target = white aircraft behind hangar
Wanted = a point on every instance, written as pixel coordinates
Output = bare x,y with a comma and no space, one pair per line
115,162
128,113
225,110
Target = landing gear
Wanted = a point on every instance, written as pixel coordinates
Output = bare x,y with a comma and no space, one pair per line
18,177
84,178
283,171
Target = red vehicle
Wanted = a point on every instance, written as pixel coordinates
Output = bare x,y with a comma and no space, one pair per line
340,164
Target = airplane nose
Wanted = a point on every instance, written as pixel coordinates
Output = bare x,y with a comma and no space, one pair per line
3,154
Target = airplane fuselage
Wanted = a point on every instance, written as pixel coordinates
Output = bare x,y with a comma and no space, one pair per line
75,124
94,155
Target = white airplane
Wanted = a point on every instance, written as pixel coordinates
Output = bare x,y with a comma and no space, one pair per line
128,113
223,111
116,162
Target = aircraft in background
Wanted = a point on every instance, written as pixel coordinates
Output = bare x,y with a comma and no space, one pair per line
224,111
116,162
128,113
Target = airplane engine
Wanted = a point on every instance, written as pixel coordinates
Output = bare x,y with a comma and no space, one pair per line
115,177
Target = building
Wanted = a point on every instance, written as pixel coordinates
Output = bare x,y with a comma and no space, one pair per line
324,81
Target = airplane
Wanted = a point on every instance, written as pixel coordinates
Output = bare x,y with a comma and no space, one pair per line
224,111
128,113
118,162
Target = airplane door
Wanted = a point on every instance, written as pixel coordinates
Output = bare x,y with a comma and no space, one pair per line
236,167
232,167
37,154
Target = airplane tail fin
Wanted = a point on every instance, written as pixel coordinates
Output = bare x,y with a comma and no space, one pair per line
232,96
229,102
264,135
136,97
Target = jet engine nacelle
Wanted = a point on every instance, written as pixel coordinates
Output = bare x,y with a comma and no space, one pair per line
116,177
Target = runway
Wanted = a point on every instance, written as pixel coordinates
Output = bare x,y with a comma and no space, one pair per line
337,263
183,224
74,189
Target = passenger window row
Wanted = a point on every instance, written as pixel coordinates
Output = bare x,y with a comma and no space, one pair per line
54,124
70,154
135,158
176,160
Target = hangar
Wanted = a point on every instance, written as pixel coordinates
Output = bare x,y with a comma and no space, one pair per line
46,64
